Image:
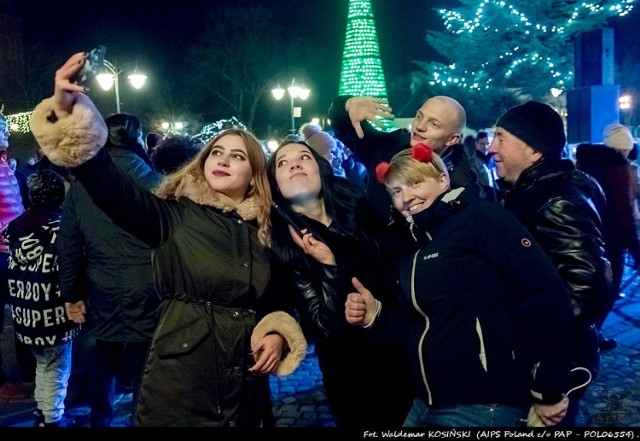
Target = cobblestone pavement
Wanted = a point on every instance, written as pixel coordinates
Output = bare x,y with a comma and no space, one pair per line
612,400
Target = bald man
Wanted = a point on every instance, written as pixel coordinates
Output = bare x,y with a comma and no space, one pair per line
438,123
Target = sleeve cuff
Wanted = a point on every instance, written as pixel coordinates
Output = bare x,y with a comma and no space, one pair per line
282,323
70,141
376,315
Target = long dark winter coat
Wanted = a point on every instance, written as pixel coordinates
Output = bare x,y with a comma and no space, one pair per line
211,271
618,179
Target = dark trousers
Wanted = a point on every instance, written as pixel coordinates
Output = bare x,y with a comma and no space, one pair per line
108,359
588,357
617,259
24,356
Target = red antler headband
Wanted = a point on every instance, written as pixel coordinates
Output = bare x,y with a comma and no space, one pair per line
422,153
419,152
381,171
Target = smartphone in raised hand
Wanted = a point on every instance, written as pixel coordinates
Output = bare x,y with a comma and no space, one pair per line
92,66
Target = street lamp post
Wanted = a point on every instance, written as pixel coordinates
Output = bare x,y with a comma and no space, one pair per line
294,92
625,103
110,78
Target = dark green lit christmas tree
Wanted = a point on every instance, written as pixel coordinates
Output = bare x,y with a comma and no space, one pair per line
498,53
362,72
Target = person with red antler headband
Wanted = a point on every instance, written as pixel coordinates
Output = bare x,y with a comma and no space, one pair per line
488,337
438,123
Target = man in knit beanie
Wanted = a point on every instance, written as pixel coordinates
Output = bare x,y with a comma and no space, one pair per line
562,207
535,125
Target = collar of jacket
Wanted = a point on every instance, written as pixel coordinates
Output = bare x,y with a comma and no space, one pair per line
440,209
598,155
453,155
199,191
133,148
543,170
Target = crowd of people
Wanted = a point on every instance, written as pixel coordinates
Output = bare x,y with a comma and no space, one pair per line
445,281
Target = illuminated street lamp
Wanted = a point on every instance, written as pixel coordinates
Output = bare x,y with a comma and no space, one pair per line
110,78
294,92
625,102
172,127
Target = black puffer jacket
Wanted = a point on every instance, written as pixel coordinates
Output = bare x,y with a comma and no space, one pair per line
561,207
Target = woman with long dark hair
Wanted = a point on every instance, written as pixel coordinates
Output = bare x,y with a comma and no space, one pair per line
339,236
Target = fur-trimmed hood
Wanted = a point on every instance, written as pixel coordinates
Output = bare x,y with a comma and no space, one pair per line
199,191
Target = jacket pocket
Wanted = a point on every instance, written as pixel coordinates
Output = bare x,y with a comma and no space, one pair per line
183,340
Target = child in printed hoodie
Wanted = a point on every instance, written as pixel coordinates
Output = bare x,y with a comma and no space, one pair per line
38,313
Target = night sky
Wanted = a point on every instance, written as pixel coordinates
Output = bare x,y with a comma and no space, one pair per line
156,33
156,36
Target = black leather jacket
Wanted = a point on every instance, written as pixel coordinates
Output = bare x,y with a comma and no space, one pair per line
320,292
561,207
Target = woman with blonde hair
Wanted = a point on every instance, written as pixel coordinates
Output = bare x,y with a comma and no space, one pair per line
487,316
220,329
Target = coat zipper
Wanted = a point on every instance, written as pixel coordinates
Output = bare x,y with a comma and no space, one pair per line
426,327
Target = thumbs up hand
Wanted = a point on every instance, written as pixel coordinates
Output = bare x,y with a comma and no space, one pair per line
361,307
